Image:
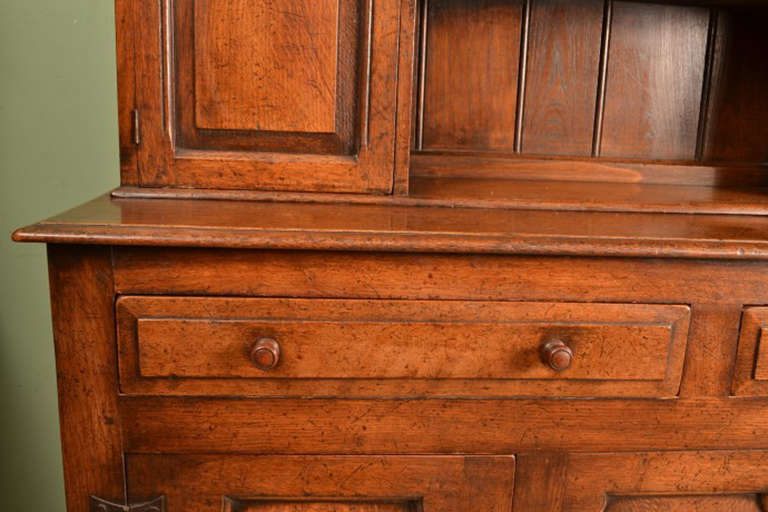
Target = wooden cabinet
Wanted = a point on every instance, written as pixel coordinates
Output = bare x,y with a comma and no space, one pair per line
423,255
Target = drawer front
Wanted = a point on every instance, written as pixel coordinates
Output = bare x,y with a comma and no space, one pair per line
751,373
247,483
317,347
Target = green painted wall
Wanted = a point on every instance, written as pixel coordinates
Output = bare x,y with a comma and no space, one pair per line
58,147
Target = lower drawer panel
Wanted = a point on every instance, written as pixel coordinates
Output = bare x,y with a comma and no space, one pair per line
244,483
356,348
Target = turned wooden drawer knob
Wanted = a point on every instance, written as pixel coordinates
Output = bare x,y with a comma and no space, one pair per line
557,355
265,354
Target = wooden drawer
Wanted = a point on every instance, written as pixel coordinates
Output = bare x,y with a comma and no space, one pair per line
247,483
205,346
751,373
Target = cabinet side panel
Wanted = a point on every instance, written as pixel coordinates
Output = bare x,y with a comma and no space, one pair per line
126,90
84,334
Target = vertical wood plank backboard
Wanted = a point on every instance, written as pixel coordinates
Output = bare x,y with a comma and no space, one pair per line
655,80
471,74
562,75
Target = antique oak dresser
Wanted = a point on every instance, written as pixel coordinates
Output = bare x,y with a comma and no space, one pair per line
423,255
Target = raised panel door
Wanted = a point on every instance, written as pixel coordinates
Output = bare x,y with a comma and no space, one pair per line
267,94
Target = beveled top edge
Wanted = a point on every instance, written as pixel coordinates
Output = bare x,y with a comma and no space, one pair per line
380,228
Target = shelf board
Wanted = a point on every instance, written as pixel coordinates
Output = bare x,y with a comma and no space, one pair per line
511,194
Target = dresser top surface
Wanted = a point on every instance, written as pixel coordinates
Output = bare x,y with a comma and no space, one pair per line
407,226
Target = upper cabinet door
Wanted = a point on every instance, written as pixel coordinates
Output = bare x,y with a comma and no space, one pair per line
267,94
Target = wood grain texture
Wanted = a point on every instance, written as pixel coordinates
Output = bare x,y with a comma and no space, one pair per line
389,228
305,506
83,331
472,59
446,426
266,66
540,481
125,31
433,484
407,86
739,503
443,277
199,346
562,73
339,41
155,154
738,106
751,369
709,368
627,194
761,364
335,35
549,168
173,152
681,481
655,77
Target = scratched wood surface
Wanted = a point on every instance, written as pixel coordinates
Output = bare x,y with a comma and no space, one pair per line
200,346
252,73
326,506
685,481
317,114
743,503
82,297
425,483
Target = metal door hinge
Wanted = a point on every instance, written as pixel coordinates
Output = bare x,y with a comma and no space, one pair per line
136,126
100,505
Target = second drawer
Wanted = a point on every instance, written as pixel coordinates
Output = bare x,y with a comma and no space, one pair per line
362,348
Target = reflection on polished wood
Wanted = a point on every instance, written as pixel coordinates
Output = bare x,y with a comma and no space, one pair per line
275,225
